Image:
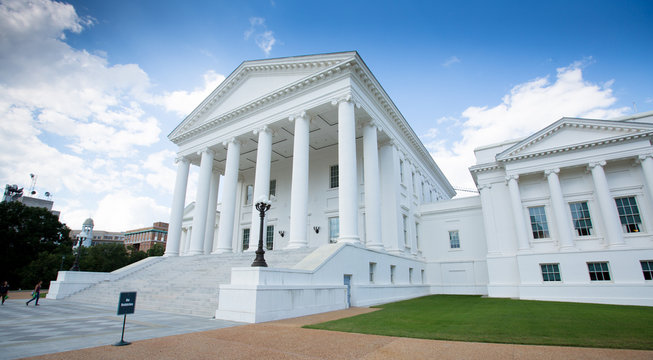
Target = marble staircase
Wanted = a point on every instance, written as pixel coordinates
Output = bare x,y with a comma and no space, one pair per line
186,284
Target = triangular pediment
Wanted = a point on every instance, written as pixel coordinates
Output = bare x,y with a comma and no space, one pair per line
569,134
254,80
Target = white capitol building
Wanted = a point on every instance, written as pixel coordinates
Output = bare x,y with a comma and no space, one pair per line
361,214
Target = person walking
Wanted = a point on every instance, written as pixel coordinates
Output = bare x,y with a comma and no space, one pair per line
36,294
4,290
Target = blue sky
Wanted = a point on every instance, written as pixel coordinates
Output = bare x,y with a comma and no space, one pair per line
89,90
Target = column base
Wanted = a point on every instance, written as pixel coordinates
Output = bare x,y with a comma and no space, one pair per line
568,248
169,254
195,252
349,239
617,246
377,247
296,245
221,251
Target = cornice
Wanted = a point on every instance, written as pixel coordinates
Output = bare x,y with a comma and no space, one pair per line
484,167
632,132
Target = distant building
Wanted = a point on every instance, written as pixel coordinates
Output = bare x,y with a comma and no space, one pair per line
101,237
14,193
143,239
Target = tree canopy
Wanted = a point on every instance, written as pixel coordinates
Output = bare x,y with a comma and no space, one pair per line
34,246
29,234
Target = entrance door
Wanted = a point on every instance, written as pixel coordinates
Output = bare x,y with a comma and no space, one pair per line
347,279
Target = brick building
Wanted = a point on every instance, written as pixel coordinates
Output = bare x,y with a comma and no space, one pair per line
143,239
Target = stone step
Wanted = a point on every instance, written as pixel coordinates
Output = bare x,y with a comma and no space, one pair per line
185,285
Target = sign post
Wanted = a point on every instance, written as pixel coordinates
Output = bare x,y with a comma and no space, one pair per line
126,305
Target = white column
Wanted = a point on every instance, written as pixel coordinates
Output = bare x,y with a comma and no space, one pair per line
261,180
391,231
560,210
226,228
299,192
209,234
488,221
177,210
518,214
372,187
647,168
184,239
201,202
348,187
189,235
607,205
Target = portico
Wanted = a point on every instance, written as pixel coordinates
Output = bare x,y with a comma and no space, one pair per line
277,129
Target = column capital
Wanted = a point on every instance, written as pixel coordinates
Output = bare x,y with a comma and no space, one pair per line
512,177
484,187
206,150
233,140
345,98
302,114
594,164
548,172
181,159
263,129
643,157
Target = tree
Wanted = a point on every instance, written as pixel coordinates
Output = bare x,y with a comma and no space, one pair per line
156,250
28,234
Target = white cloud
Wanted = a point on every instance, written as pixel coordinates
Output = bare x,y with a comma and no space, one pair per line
450,61
183,102
160,171
126,211
527,108
263,37
75,120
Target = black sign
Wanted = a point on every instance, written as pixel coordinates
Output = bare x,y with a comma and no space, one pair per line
127,303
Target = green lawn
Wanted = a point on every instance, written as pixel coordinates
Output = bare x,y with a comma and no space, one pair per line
472,318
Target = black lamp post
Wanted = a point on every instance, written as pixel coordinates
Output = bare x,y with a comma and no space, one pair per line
262,206
79,249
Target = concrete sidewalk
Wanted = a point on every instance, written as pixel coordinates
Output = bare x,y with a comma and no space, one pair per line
286,339
59,325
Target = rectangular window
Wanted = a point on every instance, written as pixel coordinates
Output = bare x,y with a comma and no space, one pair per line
405,224
647,269
454,240
599,271
422,275
269,237
580,215
631,222
393,269
410,275
334,229
245,239
273,188
417,235
401,170
333,177
249,194
372,270
412,178
538,222
550,272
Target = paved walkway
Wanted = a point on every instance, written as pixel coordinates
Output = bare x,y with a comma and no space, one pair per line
59,326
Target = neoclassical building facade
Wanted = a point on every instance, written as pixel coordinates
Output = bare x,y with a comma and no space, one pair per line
361,214
564,214
318,136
